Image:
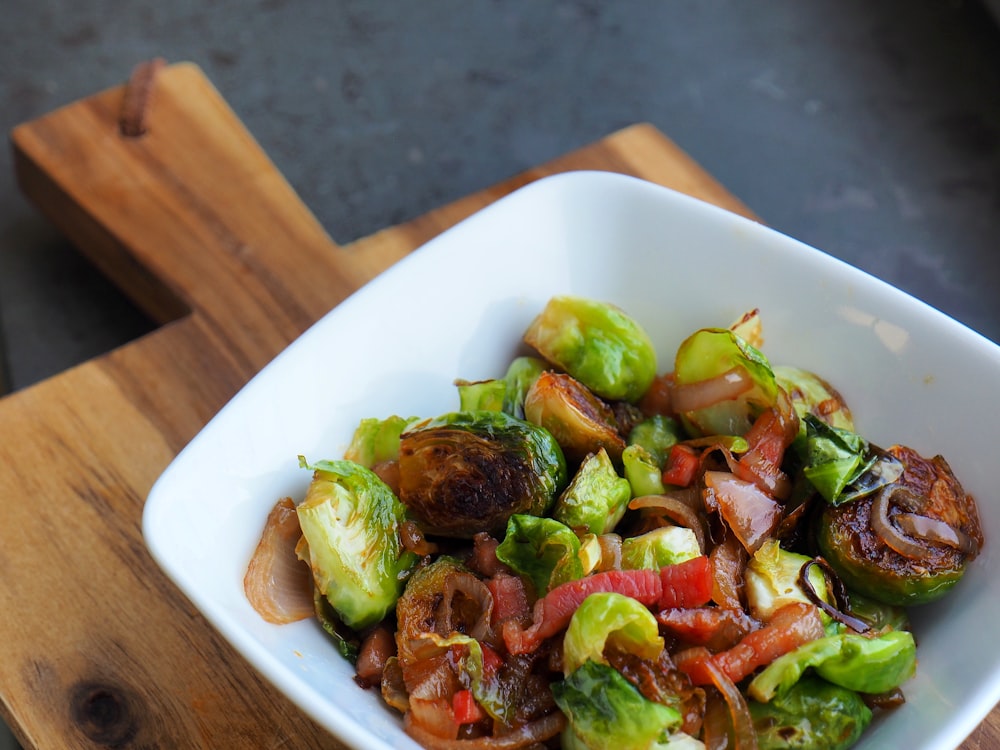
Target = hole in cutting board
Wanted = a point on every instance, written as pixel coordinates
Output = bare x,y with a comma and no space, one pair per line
57,309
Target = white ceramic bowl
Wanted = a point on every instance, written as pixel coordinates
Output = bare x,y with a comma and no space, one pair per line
456,308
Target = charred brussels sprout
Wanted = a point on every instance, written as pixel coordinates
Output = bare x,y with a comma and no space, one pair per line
596,498
597,344
466,472
350,521
910,542
580,422
813,715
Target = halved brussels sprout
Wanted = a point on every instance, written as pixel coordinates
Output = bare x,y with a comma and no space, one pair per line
542,549
596,343
811,395
772,580
350,521
466,472
720,355
911,541
667,545
596,498
580,422
813,715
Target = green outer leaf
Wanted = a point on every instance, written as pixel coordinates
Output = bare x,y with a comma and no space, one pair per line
833,458
596,498
350,520
667,545
376,440
521,373
606,712
481,395
813,715
544,550
604,618
852,661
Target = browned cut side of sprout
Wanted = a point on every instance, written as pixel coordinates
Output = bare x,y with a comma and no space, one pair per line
580,422
277,584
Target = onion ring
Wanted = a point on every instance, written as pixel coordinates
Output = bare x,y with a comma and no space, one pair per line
676,510
888,531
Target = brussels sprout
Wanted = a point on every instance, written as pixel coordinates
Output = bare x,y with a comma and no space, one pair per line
877,615
644,475
376,440
856,662
596,498
605,712
580,422
772,580
597,344
712,353
813,715
657,434
350,520
466,472
666,545
863,543
481,395
521,374
501,394
542,549
811,395
608,618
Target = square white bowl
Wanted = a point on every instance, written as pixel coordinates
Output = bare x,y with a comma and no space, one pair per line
456,308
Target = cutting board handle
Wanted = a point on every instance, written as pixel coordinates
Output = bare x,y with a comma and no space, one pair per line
187,215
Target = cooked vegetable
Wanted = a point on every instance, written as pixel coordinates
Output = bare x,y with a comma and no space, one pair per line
580,422
276,584
544,550
467,472
772,580
720,381
596,497
865,543
596,343
609,619
350,521
813,396
606,712
729,564
875,664
813,715
660,547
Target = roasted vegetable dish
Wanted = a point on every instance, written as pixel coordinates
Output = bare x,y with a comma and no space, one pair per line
595,550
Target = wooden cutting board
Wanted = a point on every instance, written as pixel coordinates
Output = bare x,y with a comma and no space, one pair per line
196,225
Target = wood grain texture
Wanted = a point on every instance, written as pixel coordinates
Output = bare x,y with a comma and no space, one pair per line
197,226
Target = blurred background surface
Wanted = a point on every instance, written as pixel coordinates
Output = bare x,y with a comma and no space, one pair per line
869,130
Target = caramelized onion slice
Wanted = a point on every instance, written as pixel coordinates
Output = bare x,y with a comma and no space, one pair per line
676,510
725,387
531,734
277,584
933,530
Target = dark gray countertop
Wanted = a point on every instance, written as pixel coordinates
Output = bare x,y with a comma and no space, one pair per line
870,130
